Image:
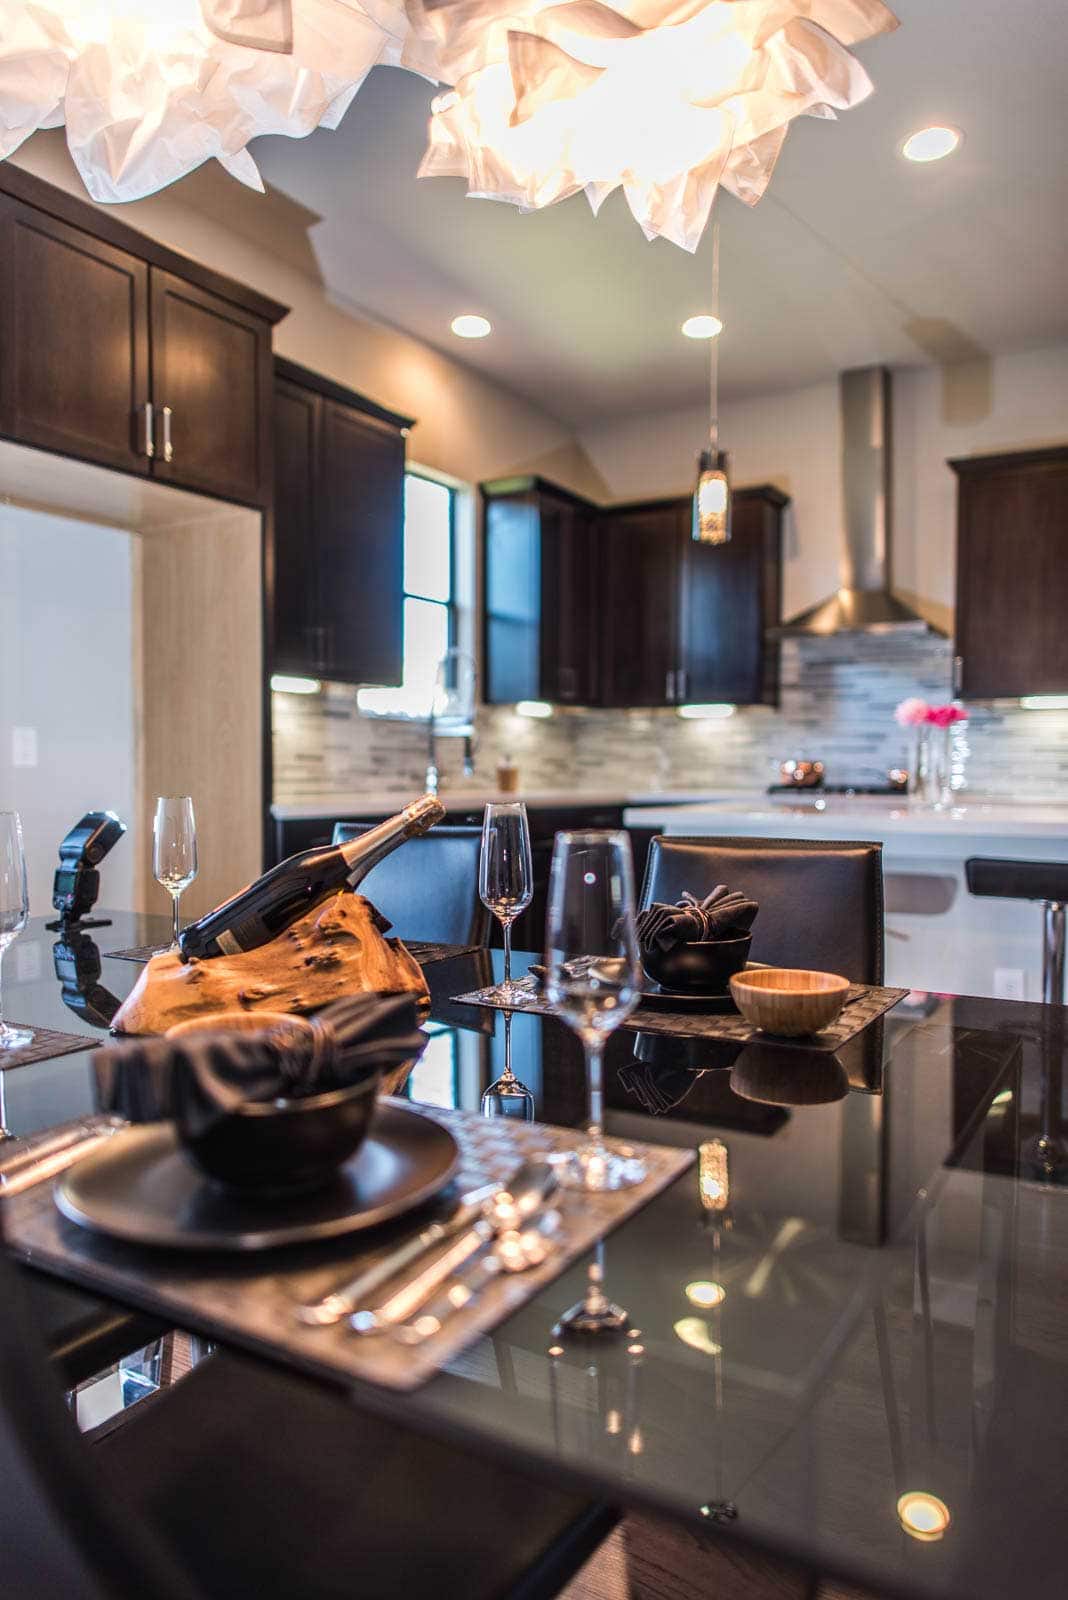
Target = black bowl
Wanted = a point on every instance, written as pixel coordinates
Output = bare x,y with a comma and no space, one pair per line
279,1147
705,967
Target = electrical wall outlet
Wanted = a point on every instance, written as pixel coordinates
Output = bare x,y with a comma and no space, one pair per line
24,747
1010,983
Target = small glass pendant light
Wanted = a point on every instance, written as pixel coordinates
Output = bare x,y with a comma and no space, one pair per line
712,494
712,499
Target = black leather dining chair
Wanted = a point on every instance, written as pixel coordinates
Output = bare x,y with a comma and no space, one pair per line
821,901
428,889
243,1481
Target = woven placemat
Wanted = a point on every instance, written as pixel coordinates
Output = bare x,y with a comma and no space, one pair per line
865,1003
250,1299
423,951
138,952
46,1042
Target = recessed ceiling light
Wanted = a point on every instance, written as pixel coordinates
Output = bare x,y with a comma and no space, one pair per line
471,327
703,327
931,144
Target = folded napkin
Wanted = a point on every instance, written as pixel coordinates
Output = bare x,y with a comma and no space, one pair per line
723,914
200,1078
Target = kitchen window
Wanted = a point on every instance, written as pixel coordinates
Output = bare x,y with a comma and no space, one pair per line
429,598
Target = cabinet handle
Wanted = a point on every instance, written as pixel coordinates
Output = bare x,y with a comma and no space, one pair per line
149,445
567,682
958,673
669,687
681,680
168,447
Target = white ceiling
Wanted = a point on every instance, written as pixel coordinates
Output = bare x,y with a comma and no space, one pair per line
853,256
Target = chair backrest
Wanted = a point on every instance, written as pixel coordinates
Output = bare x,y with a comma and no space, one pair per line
821,902
1017,880
429,887
64,1529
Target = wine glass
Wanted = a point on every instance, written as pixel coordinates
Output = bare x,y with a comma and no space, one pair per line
174,849
506,881
593,979
507,1097
14,911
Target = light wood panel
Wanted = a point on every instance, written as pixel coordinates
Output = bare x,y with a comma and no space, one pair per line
201,696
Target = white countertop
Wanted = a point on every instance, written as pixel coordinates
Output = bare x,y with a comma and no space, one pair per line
382,802
905,828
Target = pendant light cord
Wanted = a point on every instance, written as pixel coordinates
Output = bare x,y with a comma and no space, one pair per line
713,356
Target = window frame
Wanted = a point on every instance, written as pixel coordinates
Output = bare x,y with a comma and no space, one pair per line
450,606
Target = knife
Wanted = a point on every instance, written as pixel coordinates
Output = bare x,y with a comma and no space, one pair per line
344,1300
527,1191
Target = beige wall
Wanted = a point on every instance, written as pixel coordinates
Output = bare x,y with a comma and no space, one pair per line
467,426
1008,403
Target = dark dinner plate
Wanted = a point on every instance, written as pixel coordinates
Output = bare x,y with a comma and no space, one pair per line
660,999
141,1188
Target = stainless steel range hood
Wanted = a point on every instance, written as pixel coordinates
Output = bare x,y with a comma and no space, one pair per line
864,603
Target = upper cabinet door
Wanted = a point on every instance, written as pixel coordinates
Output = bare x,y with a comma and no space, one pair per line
569,666
298,644
638,589
1012,574
73,340
729,599
211,387
360,545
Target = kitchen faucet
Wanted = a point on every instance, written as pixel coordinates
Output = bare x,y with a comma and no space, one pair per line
452,713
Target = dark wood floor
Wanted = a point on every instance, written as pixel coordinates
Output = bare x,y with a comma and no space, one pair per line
649,1560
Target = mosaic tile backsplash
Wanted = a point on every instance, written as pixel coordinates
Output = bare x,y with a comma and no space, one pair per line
838,697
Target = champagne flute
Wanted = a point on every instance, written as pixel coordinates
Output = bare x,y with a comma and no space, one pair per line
506,881
593,979
14,911
174,849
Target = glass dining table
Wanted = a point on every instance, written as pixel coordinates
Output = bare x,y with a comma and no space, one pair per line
848,1321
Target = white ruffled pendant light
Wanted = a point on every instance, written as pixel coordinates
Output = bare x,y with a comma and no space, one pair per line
664,99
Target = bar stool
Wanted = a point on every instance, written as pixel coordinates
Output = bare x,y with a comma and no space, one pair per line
1044,881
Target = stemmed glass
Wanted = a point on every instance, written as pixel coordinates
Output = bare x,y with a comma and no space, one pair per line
14,911
506,881
174,849
593,979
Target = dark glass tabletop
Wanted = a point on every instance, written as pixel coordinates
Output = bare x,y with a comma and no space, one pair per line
859,1294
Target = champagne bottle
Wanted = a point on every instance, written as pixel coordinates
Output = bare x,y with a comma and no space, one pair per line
267,907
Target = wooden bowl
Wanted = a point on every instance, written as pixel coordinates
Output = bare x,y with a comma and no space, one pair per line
789,1000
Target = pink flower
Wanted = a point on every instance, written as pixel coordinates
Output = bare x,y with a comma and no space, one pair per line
911,712
946,716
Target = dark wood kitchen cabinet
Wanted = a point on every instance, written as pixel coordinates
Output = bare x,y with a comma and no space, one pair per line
74,373
211,390
1012,574
539,613
338,533
686,622
617,606
119,351
731,596
639,549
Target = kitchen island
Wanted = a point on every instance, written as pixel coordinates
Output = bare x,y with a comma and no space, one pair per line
938,937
